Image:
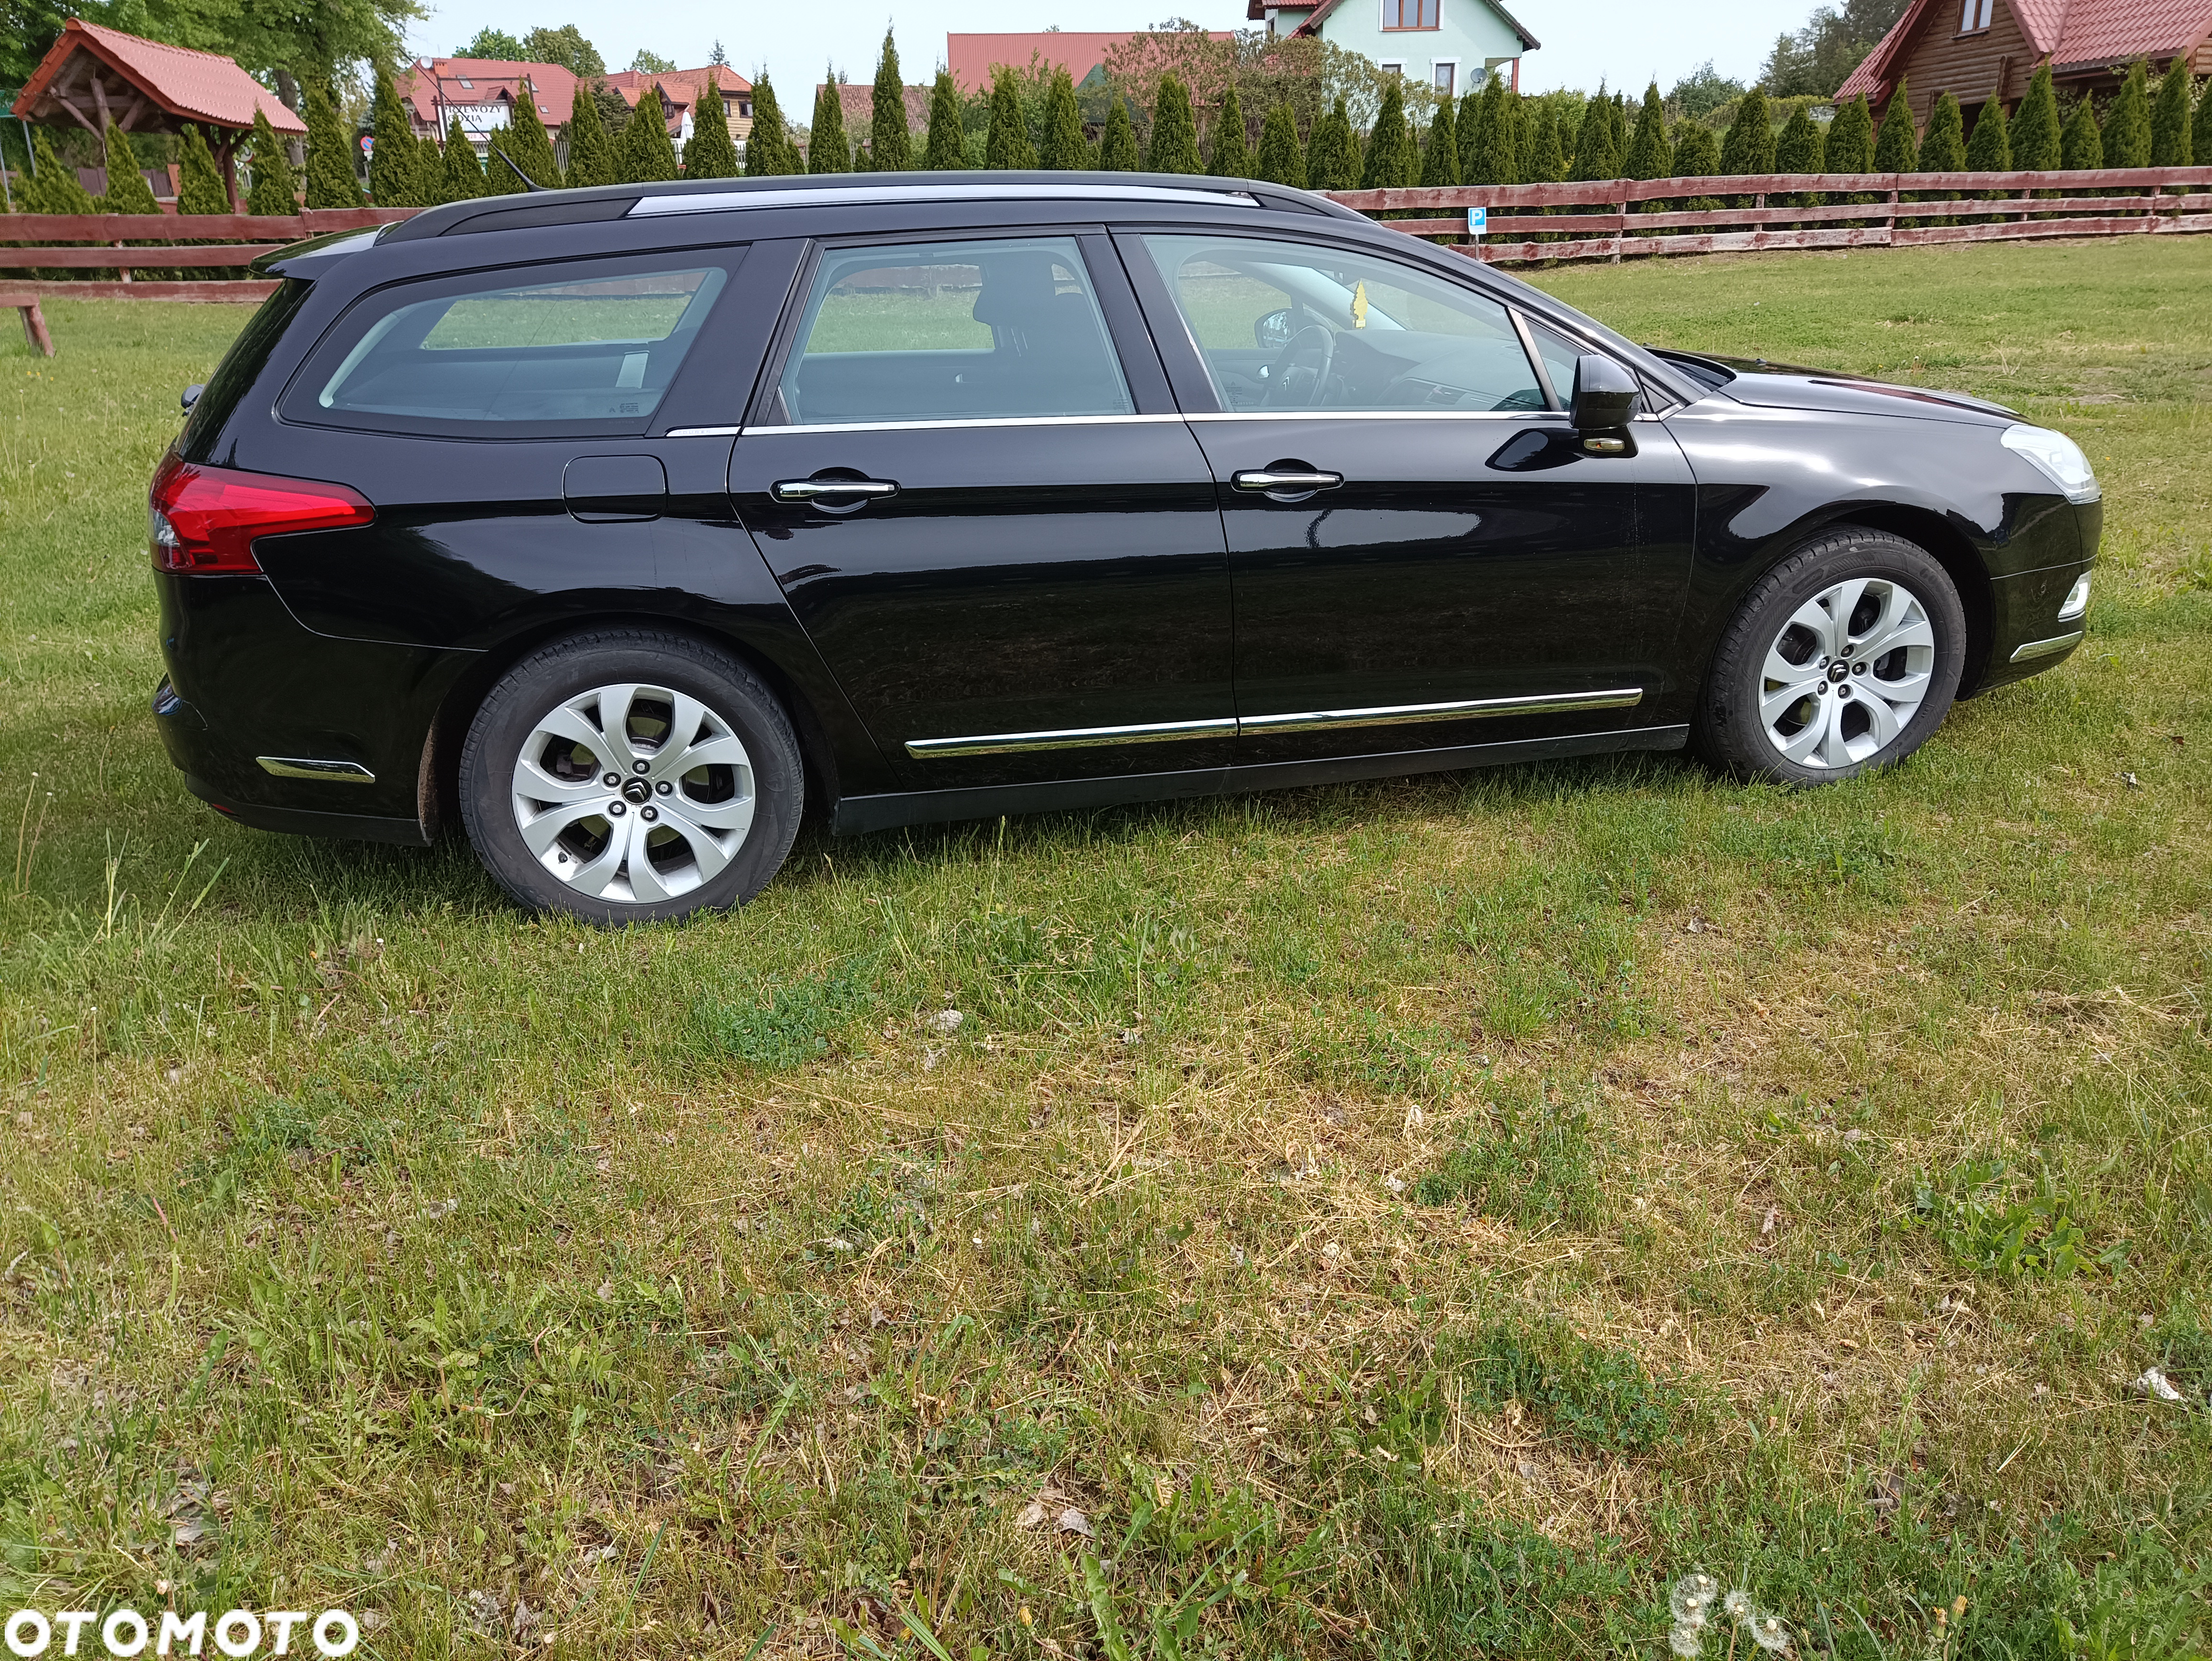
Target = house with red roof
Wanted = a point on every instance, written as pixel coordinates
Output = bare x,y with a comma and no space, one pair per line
483,92
93,75
1978,49
1082,53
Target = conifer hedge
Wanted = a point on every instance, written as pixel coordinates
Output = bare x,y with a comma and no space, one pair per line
274,194
769,151
948,147
199,181
1173,147
828,149
1280,161
1117,146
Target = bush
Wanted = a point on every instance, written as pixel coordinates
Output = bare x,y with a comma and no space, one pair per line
330,180
1173,147
1117,148
2127,123
890,146
127,190
1280,161
1333,153
645,155
711,153
947,148
199,183
769,151
1390,163
1064,148
1232,155
274,194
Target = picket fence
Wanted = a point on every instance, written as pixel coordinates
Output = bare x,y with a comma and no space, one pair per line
1605,219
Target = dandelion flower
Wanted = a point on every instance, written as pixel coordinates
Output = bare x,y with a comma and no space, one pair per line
1684,1641
1738,1603
1768,1634
1691,1592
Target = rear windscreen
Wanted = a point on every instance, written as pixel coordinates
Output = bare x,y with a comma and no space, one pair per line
591,348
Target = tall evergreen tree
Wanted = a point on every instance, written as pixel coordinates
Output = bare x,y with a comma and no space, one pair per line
1232,152
1390,163
2034,127
1117,147
828,149
2170,145
53,188
769,151
430,184
947,149
591,151
1467,133
1547,161
890,144
1499,160
392,178
1440,155
1280,161
1517,121
2127,123
464,176
645,153
1799,148
273,193
1897,148
330,180
1333,153
2200,131
1007,143
711,153
1173,147
1650,154
1943,146
1696,151
2080,145
1064,149
127,189
1749,147
1990,150
524,138
199,181
1594,155
1849,141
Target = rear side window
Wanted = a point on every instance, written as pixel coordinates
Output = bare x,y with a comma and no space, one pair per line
1003,328
591,348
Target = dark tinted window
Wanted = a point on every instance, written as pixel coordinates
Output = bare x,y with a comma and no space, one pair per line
587,348
238,368
953,331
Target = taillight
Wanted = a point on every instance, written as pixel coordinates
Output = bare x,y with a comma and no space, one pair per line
205,520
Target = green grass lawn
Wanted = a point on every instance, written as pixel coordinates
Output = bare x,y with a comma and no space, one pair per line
1422,1219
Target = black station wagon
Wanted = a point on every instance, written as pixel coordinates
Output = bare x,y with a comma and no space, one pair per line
617,523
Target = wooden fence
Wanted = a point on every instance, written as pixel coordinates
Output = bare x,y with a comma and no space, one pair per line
1609,219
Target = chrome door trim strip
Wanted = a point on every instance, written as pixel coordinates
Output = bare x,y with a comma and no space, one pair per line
960,422
1388,714
2043,648
703,432
308,767
1558,416
1399,714
1069,738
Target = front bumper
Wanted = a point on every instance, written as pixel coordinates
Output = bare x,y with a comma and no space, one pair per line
2027,634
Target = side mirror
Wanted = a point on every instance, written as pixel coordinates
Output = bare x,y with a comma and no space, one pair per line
1605,394
192,395
1273,331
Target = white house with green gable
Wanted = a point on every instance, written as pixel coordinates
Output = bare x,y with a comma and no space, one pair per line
1453,45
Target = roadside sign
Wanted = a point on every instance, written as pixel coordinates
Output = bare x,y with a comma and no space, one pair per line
1478,221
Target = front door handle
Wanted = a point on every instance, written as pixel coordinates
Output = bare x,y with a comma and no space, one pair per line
1282,480
807,490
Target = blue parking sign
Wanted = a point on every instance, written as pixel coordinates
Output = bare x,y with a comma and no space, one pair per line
1478,221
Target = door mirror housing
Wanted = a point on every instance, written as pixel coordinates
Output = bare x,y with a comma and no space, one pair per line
1273,332
1605,394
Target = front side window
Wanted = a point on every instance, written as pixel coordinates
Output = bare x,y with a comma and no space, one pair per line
1289,326
589,349
953,331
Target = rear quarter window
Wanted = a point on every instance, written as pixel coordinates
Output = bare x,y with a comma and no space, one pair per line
240,367
552,350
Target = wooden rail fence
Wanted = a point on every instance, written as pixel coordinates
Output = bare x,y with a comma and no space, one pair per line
1614,218
1604,219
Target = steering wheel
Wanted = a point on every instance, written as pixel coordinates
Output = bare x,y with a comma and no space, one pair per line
1315,345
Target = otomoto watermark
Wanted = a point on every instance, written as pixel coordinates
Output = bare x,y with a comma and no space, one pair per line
233,1632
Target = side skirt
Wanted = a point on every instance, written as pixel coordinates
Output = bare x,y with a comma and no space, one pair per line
857,815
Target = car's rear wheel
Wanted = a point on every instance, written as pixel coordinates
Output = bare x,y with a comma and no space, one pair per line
630,776
1843,658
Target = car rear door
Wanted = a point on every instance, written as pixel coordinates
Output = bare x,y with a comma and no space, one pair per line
1424,556
966,471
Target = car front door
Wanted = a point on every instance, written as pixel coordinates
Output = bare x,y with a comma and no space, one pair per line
1425,556
969,477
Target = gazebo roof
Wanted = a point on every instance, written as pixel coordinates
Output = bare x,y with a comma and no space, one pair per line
92,74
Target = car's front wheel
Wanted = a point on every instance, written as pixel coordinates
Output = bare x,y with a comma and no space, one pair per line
630,776
1843,658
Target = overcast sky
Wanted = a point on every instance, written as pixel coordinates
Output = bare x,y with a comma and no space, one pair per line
1627,42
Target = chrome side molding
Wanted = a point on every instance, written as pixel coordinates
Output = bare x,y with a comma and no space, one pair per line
1308,721
308,767
2043,648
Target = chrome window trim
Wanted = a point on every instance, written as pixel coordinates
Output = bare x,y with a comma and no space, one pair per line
953,423
1377,415
1069,738
1310,720
2043,648
308,767
703,432
729,201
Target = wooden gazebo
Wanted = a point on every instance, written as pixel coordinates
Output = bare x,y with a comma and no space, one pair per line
93,75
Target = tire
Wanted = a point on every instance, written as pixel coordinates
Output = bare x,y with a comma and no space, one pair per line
1867,629
555,834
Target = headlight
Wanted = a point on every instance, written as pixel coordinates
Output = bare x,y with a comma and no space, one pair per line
2057,458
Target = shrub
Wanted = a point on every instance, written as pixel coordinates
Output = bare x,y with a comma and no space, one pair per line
1173,147
769,151
1064,148
1546,163
1595,157
828,149
1280,161
1749,146
2169,116
464,177
1496,158
591,151
711,153
1440,155
1990,150
1650,154
1390,163
1848,146
273,193
1800,147
1333,153
1117,146
199,182
330,180
2081,146
127,190
2127,123
947,148
1232,153
393,178
1896,149
890,146
645,155
1943,146
1007,144
2034,133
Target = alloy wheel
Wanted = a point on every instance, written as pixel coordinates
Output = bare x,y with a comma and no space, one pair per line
633,794
1847,673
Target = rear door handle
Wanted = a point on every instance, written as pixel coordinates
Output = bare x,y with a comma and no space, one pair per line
807,490
1266,479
